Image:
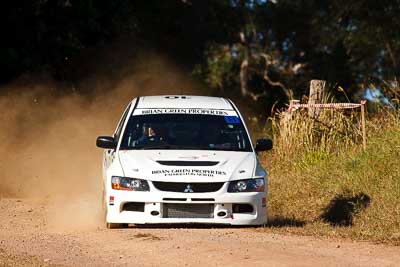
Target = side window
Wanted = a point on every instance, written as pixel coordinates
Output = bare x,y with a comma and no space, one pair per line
121,123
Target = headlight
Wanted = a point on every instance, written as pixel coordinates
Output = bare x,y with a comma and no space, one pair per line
131,184
249,185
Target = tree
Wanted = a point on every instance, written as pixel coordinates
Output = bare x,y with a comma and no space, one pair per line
281,45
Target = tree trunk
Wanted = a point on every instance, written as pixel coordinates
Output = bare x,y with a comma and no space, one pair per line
243,77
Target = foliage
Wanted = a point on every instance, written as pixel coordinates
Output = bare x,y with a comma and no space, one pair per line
53,35
266,50
49,33
287,43
219,72
331,185
331,132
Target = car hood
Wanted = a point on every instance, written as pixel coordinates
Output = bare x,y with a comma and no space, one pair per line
187,165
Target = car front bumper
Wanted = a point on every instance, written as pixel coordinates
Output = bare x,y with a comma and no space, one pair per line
162,207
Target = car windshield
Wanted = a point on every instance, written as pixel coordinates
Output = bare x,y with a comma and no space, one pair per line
183,131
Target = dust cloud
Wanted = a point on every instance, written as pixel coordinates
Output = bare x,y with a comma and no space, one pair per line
47,140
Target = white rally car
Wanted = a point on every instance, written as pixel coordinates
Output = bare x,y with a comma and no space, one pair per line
183,159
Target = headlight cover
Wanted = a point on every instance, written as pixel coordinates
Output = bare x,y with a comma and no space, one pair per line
129,184
248,185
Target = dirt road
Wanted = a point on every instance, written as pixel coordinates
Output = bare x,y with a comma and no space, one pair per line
28,237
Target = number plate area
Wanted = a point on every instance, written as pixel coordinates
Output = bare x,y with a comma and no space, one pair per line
178,210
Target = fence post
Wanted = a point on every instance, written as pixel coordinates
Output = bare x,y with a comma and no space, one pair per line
317,90
364,133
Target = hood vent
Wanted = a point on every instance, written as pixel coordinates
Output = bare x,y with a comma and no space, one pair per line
187,163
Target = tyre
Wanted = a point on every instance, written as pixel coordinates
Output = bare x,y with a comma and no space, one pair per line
116,225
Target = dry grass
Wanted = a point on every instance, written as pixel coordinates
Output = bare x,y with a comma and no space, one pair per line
322,180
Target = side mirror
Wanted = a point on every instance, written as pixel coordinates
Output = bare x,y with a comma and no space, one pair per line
107,142
263,145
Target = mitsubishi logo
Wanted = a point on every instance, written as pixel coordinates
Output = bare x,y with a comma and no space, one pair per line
188,189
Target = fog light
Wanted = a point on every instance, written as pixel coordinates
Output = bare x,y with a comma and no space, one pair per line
155,213
221,214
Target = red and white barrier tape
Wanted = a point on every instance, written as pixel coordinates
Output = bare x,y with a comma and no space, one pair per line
293,107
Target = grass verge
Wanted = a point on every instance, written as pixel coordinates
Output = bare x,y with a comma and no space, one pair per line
330,187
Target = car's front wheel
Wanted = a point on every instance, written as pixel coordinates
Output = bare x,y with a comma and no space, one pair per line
116,225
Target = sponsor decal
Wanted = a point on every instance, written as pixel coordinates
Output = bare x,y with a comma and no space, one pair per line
232,119
193,157
110,155
195,111
189,172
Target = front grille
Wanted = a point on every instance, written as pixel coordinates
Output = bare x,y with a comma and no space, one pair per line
188,187
172,210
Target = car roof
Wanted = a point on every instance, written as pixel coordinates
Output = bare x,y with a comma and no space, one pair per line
184,101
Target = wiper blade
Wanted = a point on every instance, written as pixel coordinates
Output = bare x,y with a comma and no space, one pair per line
154,147
191,147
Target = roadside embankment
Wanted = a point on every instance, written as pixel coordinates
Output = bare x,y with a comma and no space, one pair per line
334,188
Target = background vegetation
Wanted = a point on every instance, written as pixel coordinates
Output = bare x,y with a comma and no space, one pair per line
322,182
254,49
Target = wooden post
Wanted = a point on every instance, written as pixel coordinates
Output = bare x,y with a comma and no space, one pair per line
317,90
364,133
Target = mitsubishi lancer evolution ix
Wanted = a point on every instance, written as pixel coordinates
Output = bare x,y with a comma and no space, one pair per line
183,159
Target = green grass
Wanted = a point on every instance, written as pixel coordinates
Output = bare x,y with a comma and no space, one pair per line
328,169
